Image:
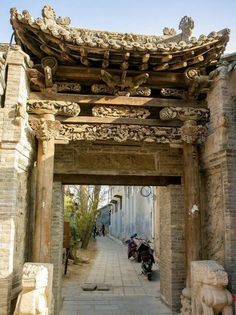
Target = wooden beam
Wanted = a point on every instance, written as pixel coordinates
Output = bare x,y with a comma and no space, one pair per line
115,100
162,67
92,75
144,65
178,65
105,63
117,121
82,179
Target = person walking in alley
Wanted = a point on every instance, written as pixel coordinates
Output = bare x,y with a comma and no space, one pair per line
103,230
94,231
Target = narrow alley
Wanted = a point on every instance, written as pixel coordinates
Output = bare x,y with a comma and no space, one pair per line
130,292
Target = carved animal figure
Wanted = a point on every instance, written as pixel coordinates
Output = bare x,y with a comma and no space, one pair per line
33,299
215,301
209,295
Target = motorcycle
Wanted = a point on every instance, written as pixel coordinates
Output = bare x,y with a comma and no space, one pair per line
132,247
145,253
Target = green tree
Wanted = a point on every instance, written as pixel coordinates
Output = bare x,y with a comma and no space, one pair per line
81,210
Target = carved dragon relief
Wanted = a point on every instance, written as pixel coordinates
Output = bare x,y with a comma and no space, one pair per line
170,92
120,111
63,108
123,85
184,113
197,83
120,133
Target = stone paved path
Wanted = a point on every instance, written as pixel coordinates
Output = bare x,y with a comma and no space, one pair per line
130,293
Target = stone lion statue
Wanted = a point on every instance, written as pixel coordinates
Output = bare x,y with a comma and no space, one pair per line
209,295
33,297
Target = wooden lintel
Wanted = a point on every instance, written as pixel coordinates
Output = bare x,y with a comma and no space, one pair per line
118,121
117,179
82,74
114,100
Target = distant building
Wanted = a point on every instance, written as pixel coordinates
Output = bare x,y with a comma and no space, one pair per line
104,217
133,209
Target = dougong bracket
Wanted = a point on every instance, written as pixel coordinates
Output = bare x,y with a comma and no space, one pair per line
122,85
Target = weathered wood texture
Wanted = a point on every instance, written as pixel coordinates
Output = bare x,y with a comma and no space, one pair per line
124,180
83,100
191,202
43,221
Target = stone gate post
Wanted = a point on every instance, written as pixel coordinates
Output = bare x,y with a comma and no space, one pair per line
218,159
16,160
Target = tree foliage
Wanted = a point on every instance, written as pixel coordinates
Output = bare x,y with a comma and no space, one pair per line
81,207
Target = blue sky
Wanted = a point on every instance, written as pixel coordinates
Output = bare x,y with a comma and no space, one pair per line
136,16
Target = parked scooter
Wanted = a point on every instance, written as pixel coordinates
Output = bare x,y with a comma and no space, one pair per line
132,247
146,256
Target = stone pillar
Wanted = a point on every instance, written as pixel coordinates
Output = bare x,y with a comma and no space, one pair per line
218,161
16,160
45,129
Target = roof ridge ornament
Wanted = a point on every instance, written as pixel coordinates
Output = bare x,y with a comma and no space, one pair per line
186,25
49,13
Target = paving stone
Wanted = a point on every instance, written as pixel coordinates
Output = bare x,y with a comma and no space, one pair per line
103,287
89,286
129,294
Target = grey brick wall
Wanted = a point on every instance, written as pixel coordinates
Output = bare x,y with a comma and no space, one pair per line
57,243
172,246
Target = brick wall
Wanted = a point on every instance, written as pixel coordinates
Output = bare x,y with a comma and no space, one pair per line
154,160
172,247
57,243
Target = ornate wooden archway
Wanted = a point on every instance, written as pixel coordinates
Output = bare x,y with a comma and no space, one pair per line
101,86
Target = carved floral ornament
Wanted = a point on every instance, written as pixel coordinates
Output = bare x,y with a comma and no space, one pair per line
120,111
44,129
192,133
63,108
